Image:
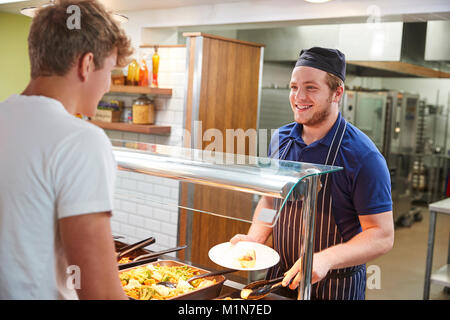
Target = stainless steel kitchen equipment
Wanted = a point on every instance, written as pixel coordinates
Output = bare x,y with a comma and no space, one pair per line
389,118
442,275
428,174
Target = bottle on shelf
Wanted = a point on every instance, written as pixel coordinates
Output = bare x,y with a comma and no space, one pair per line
133,73
143,74
155,67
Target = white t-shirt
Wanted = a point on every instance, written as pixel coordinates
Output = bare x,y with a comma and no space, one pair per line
52,165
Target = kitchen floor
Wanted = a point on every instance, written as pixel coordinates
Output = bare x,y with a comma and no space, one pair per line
403,268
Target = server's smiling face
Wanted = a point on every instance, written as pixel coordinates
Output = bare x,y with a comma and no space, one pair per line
310,96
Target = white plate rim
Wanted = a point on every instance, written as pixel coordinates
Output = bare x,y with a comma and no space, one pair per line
257,244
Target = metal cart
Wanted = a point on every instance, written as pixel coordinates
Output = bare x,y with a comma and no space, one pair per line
442,275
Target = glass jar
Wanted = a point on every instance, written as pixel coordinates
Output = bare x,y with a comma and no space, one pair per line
143,110
127,114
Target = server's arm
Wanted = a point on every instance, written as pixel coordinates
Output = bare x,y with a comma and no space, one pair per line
376,239
259,231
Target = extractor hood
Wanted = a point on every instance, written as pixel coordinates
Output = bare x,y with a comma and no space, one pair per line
389,49
416,38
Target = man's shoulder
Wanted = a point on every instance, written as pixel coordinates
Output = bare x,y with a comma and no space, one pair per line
285,130
84,127
358,152
358,143
82,136
287,127
87,135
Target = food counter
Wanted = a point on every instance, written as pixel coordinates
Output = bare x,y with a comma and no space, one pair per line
283,180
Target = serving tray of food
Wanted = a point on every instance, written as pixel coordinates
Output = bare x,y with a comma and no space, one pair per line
150,282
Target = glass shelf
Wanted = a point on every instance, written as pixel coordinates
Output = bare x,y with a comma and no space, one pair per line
279,179
218,194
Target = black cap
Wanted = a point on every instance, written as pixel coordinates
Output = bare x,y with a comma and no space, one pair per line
329,60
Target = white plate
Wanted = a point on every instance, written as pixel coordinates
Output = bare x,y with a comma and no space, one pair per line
225,255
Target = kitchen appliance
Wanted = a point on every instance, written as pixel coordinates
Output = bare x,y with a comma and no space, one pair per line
389,119
428,169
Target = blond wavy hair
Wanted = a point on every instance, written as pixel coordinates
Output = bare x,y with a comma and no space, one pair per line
54,48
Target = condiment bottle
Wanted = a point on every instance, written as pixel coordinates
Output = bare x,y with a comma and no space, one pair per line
133,73
143,110
143,74
155,67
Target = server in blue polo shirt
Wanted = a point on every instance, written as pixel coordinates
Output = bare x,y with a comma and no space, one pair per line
354,221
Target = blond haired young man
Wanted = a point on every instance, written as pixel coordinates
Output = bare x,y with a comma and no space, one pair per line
57,172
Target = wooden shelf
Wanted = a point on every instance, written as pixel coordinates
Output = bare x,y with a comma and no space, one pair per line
130,127
162,45
402,67
140,90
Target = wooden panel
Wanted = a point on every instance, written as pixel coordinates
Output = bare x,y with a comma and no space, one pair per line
228,100
213,36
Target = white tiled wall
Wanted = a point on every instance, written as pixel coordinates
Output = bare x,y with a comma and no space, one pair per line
145,205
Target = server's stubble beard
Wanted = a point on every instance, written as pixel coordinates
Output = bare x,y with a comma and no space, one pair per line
320,116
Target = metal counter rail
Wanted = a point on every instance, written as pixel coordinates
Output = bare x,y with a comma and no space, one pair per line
263,182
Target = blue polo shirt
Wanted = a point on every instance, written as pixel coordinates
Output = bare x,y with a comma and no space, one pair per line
363,187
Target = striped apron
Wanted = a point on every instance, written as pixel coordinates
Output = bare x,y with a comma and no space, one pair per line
347,283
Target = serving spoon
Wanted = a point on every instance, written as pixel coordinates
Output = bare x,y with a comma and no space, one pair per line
200,276
159,253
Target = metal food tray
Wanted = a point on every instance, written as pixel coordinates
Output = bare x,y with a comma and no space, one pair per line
209,292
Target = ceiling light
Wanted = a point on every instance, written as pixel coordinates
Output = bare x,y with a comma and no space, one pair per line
317,1
10,1
120,18
31,11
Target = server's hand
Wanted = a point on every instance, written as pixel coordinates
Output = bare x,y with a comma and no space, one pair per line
319,270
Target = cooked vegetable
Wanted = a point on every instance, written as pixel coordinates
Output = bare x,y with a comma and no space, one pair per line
125,260
141,282
245,293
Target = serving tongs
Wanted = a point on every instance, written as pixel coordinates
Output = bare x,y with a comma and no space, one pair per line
159,253
259,289
132,247
150,257
199,276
